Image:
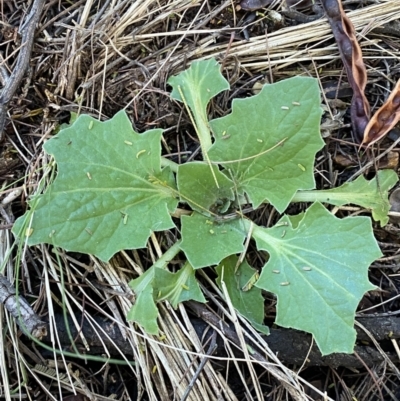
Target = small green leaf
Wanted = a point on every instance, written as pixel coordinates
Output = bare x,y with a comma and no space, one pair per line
199,83
246,299
196,86
156,285
319,272
196,184
110,192
269,141
371,194
206,242
144,312
178,287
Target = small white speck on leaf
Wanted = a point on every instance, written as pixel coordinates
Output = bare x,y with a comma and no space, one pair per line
140,153
28,232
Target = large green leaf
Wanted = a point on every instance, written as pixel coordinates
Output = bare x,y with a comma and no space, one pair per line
319,272
157,285
269,141
206,242
110,192
197,185
245,297
372,194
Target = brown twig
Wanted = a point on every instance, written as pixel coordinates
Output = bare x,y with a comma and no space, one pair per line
292,346
12,83
20,309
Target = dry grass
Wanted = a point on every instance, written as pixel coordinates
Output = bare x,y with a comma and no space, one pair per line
98,57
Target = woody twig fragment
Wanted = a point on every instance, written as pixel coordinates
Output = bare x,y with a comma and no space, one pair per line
13,81
351,54
384,119
27,320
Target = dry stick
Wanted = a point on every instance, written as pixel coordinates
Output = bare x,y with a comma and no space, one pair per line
20,309
378,347
280,340
27,33
350,52
210,318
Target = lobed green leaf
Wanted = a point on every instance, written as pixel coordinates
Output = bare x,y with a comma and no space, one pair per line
269,141
319,272
110,192
371,194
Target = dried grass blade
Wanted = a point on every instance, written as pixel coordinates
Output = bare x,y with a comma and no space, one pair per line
387,116
350,51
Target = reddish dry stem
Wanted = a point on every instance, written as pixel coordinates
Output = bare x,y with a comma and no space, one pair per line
384,119
351,54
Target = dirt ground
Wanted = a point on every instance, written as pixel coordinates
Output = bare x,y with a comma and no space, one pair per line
100,56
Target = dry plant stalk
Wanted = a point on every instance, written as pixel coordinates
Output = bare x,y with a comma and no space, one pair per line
350,51
13,81
26,318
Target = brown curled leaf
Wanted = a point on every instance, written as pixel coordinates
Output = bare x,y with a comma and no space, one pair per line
387,116
350,51
252,5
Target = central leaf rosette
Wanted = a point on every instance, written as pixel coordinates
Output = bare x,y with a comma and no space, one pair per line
111,192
